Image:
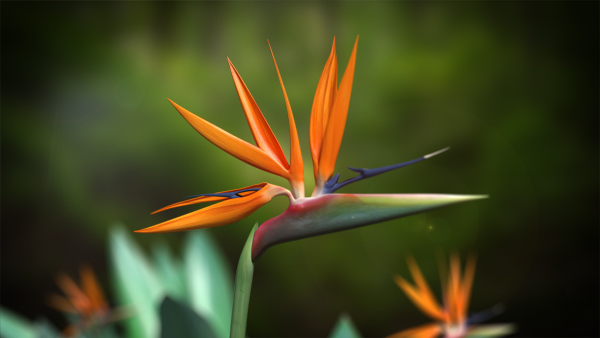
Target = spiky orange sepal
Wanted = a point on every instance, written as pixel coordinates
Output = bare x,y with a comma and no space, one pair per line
296,164
328,117
233,145
206,199
423,331
322,103
226,212
86,301
456,291
261,131
420,294
267,154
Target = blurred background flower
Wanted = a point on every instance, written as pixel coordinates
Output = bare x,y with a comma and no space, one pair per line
451,316
86,304
512,87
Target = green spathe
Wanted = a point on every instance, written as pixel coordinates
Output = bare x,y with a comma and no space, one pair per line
336,212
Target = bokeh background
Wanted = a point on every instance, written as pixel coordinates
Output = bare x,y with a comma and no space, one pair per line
89,139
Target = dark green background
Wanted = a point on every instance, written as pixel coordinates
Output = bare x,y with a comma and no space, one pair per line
88,139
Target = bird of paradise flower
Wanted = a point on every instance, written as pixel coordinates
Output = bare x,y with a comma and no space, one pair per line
451,318
323,212
87,303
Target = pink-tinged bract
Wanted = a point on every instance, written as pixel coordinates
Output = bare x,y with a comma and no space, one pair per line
336,212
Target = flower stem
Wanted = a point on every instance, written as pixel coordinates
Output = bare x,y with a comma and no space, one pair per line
243,287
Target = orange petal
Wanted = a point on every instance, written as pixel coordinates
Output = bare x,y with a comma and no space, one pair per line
423,302
467,285
424,291
205,199
236,147
70,331
263,135
423,331
454,301
77,297
92,289
322,103
296,164
226,212
337,122
61,304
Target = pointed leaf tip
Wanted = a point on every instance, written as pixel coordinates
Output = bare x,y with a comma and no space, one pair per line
344,328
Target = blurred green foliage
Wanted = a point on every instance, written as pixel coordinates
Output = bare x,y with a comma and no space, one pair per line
201,282
88,138
148,304
344,328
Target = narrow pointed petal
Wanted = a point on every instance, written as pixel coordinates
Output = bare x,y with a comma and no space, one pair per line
454,285
467,284
262,133
236,147
296,163
336,212
322,103
61,304
424,331
424,301
422,295
226,212
205,199
75,295
92,289
337,122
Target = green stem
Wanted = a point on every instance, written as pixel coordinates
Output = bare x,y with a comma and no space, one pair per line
243,286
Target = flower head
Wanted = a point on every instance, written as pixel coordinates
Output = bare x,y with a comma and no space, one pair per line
451,317
87,302
324,211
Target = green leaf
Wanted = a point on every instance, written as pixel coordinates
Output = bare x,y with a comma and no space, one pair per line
243,287
170,272
45,329
99,331
14,326
179,321
209,281
344,328
136,284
